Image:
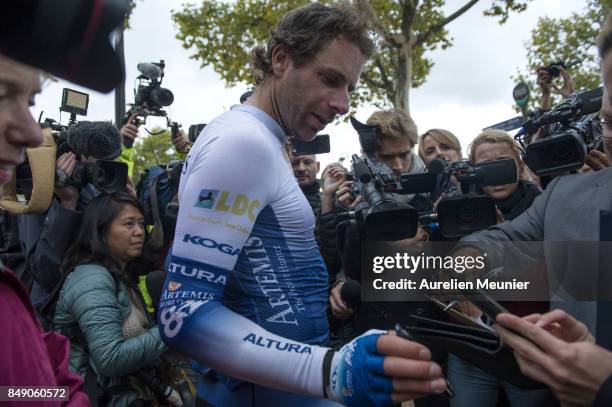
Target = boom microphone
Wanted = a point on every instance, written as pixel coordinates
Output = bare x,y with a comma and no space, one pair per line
94,139
151,71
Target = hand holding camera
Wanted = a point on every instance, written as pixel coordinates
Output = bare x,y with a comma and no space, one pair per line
66,193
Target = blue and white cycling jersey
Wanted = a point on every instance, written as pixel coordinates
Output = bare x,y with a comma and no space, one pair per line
246,292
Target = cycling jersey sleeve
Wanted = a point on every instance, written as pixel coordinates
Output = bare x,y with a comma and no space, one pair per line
227,181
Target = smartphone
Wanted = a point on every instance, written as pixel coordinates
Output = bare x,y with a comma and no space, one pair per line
320,145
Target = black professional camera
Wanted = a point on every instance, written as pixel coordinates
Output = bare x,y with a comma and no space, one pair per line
470,210
568,134
149,97
380,216
149,94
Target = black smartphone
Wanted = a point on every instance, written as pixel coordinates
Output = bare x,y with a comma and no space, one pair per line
320,145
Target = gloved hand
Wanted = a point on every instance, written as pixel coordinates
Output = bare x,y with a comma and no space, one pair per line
376,369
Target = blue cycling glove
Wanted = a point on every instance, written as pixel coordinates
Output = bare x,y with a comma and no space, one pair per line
356,377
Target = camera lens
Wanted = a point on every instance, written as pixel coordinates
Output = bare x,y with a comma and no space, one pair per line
162,96
467,213
561,152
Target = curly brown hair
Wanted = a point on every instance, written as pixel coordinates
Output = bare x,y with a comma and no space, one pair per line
307,30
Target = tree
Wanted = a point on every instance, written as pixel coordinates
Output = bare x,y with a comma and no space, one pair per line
567,39
154,149
223,33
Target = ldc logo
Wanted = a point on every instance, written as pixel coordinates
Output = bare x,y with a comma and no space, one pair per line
224,201
211,244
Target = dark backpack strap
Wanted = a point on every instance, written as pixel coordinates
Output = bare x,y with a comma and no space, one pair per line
157,236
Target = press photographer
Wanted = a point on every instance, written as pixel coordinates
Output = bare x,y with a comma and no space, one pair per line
84,167
387,140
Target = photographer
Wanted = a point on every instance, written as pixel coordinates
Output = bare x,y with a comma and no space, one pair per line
545,81
45,237
395,142
511,200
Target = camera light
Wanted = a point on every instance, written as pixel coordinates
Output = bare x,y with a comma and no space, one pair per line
74,102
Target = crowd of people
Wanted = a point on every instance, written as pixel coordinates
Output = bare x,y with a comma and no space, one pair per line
252,295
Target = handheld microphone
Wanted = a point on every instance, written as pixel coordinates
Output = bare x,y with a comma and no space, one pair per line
351,293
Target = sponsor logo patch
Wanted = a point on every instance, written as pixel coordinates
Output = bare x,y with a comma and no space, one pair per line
173,286
211,244
224,201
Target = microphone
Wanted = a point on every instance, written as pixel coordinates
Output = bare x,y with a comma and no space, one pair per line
94,139
151,71
351,293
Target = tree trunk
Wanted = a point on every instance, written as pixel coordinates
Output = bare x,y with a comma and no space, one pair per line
401,98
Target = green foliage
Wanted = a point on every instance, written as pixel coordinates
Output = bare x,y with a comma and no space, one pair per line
567,39
154,149
222,33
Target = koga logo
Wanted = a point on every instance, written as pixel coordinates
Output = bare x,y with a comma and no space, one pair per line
199,274
224,201
211,244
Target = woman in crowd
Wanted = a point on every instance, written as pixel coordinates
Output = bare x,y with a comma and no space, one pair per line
439,143
101,309
473,386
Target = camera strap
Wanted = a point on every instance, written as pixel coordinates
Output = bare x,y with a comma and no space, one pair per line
157,236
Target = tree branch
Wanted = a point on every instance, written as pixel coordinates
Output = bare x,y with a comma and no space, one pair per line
425,35
372,82
388,86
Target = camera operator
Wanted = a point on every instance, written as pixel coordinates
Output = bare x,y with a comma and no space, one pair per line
45,237
573,208
395,148
511,200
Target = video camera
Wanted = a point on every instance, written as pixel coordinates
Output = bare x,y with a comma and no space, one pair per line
382,217
568,134
93,138
149,96
470,210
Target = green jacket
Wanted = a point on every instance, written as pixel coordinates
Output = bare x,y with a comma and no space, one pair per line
90,301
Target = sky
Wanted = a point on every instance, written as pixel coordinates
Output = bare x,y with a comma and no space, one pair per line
469,87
